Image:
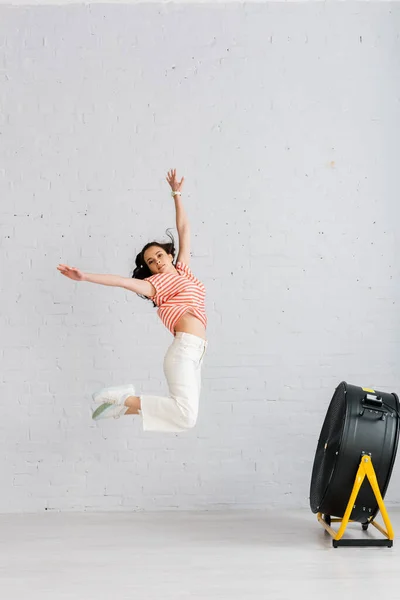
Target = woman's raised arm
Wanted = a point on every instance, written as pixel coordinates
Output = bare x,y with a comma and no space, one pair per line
182,221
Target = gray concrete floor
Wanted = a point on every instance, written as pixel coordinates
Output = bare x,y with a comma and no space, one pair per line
198,555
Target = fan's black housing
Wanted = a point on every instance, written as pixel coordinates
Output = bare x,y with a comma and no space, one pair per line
357,422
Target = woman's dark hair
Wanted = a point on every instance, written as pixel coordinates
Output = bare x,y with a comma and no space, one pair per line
142,270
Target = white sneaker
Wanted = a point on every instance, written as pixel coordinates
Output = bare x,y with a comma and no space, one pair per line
109,411
114,395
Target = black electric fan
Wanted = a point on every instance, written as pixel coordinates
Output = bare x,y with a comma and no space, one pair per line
360,422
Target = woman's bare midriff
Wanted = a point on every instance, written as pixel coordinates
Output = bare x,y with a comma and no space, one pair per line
188,323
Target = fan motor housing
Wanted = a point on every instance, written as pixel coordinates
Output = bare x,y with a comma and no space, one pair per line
358,422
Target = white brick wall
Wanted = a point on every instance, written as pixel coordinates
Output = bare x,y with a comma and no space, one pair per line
284,119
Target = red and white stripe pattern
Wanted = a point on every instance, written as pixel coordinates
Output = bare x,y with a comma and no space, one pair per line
178,293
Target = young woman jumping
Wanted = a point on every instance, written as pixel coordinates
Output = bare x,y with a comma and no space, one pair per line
180,299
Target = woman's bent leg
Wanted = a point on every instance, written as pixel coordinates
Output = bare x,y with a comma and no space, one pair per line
177,412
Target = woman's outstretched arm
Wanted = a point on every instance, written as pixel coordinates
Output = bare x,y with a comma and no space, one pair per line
144,288
182,221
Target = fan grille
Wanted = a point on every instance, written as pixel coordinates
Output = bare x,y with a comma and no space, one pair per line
328,446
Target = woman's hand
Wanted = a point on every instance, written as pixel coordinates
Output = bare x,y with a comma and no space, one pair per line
71,272
176,186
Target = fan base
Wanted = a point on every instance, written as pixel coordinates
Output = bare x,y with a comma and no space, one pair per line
367,470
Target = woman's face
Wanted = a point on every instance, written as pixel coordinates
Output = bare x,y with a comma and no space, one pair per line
158,260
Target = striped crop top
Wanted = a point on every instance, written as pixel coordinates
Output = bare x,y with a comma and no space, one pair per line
177,294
